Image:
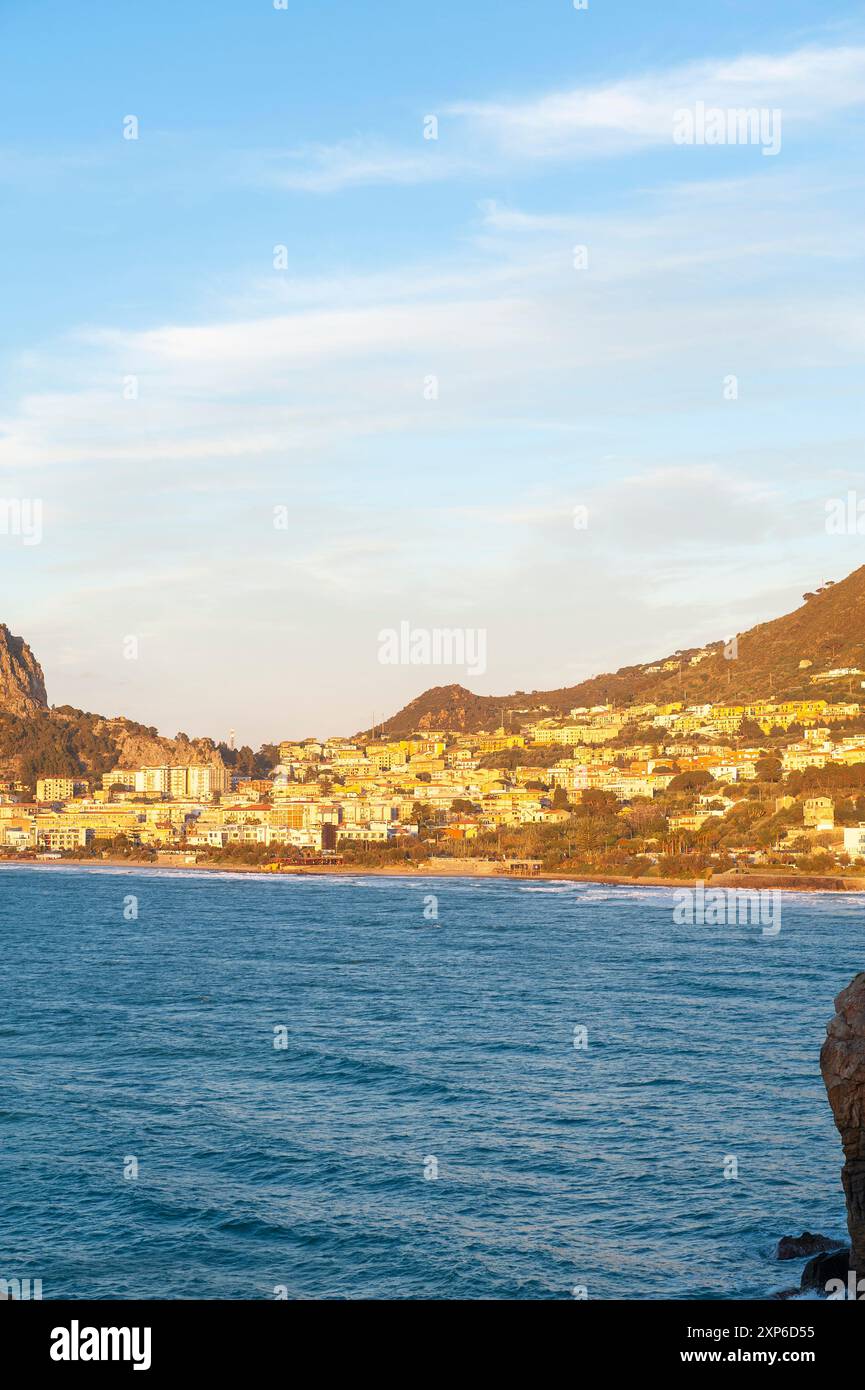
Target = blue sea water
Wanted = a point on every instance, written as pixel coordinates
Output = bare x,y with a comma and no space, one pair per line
304,1167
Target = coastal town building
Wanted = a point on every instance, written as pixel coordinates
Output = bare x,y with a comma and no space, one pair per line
59,788
690,768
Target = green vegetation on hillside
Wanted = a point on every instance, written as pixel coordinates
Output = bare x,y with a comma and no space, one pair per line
62,744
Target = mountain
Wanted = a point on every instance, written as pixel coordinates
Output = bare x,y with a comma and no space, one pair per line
444,707
775,660
66,742
22,684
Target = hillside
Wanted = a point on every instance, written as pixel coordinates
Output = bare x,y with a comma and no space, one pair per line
71,742
827,632
35,739
776,659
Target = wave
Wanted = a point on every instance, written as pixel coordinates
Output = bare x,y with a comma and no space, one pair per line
552,888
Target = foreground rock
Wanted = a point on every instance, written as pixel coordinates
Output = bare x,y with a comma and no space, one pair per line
797,1247
832,1264
828,1264
842,1062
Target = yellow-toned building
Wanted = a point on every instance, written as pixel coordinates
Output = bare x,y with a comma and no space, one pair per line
105,821
569,735
17,832
58,788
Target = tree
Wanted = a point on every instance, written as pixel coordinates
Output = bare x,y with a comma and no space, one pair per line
266,759
691,781
246,761
750,732
769,769
595,801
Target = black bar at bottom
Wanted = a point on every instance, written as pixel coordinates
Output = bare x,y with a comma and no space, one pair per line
169,1338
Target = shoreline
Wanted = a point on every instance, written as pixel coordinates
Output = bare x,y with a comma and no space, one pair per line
480,869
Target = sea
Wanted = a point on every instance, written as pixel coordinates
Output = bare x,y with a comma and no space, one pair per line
218,1086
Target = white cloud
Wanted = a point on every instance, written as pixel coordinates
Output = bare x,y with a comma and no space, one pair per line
588,121
675,508
327,364
584,122
328,334
354,163
592,386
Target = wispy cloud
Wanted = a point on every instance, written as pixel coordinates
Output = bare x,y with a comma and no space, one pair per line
284,375
585,122
330,334
354,163
614,118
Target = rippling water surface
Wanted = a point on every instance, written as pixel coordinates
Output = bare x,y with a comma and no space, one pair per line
408,1040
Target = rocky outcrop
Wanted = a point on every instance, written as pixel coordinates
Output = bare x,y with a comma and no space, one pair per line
136,747
798,1247
70,740
22,684
842,1062
830,1264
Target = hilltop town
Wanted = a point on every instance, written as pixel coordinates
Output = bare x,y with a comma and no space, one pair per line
639,790
643,785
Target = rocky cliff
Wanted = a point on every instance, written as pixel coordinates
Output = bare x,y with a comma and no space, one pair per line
842,1062
22,684
36,740
137,747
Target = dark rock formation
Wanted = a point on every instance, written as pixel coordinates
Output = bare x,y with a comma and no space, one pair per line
22,684
832,1264
797,1247
828,1264
842,1062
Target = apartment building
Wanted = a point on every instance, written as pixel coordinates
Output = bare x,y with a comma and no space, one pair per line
64,837
59,788
854,841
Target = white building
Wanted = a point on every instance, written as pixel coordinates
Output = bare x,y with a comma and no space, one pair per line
854,841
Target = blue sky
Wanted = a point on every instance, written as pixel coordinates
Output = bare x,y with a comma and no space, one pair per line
407,258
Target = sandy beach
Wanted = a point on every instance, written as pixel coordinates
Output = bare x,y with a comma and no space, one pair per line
470,868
